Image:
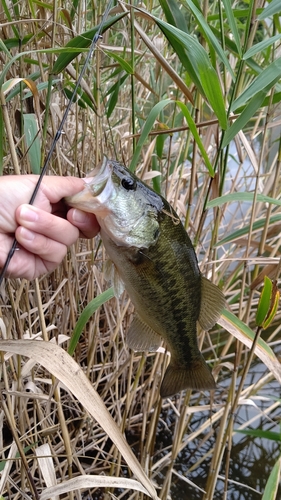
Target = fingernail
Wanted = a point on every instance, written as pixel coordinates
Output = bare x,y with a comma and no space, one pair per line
28,213
79,216
26,234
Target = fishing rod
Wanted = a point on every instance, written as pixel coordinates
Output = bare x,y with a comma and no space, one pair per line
94,41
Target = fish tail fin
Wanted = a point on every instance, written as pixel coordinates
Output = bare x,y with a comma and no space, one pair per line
196,376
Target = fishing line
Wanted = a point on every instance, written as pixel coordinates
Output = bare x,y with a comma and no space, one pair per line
95,39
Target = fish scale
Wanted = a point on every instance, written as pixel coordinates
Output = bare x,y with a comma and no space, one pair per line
153,255
164,299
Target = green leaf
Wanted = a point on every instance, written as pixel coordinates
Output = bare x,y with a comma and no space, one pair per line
229,43
113,92
124,64
274,303
85,316
174,14
259,47
244,197
32,142
74,8
246,115
156,110
232,24
245,230
244,334
266,79
40,87
201,68
212,40
264,301
271,9
178,48
17,456
271,487
82,41
146,129
83,99
272,100
60,50
212,89
5,49
196,136
113,99
160,142
274,436
6,6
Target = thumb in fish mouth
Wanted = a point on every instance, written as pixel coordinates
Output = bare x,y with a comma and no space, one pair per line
83,199
86,222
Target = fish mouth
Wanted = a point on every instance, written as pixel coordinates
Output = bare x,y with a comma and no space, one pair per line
98,177
97,191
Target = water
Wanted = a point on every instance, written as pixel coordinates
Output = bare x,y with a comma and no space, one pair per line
251,458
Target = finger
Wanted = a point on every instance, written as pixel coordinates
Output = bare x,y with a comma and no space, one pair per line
24,264
56,188
50,251
85,222
46,224
6,243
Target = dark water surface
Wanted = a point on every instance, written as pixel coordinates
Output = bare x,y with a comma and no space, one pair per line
251,458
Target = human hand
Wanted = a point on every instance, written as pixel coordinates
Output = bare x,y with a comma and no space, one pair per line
43,230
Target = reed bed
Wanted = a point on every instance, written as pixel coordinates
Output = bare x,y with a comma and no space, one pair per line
216,158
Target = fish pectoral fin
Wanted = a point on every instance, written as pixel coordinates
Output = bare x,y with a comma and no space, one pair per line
111,274
212,304
141,337
196,376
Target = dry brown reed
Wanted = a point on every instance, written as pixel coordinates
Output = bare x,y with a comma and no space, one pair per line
46,435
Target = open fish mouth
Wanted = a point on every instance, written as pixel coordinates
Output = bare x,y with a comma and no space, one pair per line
98,189
99,177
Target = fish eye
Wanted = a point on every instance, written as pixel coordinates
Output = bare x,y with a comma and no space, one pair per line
128,184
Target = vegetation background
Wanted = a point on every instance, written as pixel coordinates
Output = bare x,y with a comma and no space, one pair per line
187,94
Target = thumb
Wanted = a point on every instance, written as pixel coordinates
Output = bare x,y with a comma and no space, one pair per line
85,222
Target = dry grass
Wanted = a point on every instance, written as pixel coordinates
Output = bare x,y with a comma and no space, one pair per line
40,418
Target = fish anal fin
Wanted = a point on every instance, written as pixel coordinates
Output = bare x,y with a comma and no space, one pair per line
141,337
212,304
197,376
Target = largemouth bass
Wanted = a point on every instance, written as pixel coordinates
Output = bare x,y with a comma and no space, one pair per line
154,257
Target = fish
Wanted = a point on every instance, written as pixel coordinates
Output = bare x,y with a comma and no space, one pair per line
155,259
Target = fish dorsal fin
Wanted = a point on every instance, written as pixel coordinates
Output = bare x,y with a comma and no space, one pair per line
141,337
212,304
111,274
